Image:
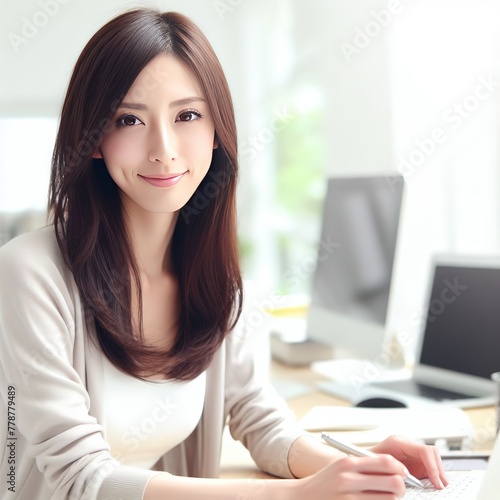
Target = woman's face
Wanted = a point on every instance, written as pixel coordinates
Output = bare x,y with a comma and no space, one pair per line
161,140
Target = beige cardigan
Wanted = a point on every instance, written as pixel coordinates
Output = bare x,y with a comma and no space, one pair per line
57,448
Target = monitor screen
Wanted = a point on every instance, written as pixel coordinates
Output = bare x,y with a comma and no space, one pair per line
462,328
351,287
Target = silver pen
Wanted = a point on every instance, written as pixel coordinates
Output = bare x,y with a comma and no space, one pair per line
351,449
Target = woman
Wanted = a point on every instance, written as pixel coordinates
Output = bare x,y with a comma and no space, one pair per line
120,357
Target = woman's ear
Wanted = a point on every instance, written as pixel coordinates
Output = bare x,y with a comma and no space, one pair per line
216,143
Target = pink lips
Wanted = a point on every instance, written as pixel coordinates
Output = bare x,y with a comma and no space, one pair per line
163,182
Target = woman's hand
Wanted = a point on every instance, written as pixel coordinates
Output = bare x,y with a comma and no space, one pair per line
421,460
327,473
366,478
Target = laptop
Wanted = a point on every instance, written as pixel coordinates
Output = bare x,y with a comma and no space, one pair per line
459,345
460,342
465,485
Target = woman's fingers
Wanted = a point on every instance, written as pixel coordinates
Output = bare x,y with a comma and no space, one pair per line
374,474
380,477
442,474
421,460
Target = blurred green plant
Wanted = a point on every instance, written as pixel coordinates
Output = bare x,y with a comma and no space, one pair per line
300,156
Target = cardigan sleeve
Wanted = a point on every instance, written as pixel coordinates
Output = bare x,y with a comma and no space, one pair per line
37,336
258,417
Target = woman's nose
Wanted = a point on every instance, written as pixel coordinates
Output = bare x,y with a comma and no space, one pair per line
163,147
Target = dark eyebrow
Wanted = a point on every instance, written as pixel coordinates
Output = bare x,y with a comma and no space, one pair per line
186,100
173,104
133,105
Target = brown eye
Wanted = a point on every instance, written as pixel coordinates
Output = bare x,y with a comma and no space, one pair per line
128,121
188,116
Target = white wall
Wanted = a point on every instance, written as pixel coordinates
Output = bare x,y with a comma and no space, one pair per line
357,88
441,53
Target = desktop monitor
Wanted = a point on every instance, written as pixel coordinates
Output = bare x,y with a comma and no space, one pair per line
351,286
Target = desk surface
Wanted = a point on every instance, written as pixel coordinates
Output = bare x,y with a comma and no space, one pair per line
236,461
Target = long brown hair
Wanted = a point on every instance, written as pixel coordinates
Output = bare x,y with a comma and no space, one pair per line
85,206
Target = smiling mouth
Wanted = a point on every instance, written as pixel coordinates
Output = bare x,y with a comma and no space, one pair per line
163,181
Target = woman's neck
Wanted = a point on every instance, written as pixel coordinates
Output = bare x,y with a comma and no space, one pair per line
151,235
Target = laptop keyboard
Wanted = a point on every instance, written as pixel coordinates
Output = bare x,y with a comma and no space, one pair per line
417,389
463,485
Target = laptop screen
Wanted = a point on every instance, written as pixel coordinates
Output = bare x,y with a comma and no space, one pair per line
462,330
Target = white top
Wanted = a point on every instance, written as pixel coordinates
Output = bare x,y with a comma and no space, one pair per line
146,418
